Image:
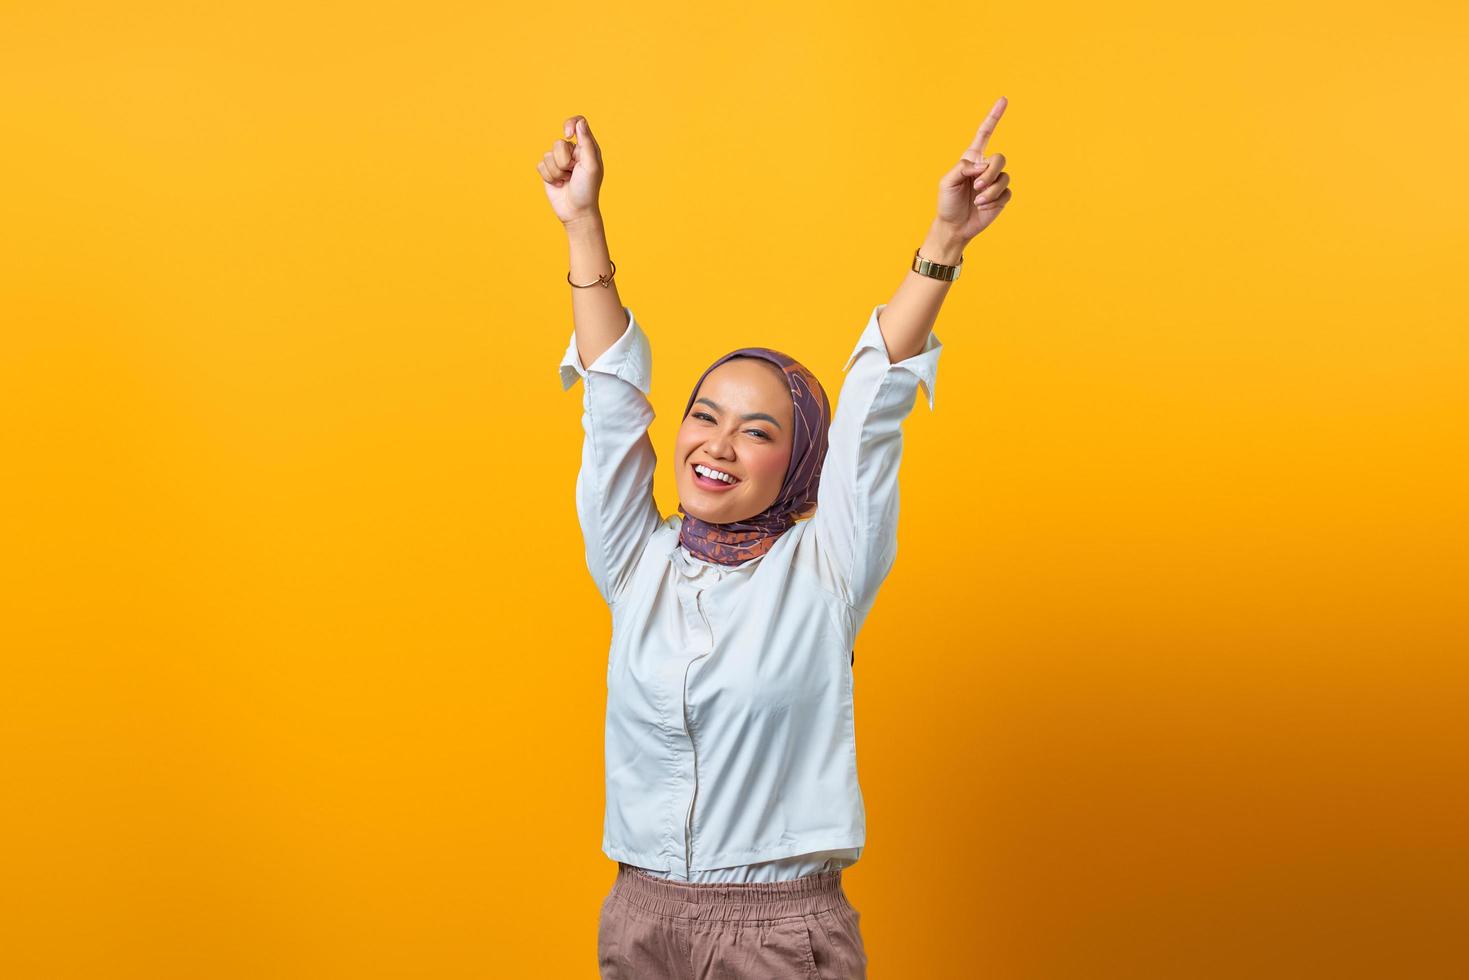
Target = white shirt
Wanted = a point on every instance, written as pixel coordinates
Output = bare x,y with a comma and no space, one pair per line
729,729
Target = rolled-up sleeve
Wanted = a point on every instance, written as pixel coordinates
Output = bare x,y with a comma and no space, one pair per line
855,526
614,488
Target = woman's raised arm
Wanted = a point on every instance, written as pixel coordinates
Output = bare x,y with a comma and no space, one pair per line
573,173
855,528
971,196
610,354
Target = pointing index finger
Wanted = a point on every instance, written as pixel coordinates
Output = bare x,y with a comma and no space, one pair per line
988,126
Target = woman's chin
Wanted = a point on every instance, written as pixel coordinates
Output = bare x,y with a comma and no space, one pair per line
704,514
709,515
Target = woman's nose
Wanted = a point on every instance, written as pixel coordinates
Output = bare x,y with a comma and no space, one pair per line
718,446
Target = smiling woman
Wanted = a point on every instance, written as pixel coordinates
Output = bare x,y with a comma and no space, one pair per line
756,422
735,433
732,801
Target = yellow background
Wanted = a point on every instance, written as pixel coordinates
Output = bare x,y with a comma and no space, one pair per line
302,667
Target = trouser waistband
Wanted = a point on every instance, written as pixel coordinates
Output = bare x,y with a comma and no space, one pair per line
736,900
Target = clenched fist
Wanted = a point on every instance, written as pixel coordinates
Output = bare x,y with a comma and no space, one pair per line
572,172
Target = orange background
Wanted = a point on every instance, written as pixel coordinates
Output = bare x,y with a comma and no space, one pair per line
303,669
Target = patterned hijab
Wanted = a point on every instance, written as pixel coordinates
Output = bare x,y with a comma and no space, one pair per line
740,541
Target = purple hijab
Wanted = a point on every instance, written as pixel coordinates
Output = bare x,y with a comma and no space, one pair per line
740,541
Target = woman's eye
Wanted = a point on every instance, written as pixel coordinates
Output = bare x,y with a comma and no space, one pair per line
706,417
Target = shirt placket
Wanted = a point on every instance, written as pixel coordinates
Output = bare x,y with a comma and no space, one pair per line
693,582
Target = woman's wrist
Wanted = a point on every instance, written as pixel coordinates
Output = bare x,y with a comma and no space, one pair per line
589,223
943,245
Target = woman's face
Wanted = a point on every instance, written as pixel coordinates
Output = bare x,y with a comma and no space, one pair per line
741,425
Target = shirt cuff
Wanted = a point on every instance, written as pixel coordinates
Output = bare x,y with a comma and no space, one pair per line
924,365
630,358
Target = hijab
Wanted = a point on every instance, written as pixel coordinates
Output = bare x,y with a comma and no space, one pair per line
740,541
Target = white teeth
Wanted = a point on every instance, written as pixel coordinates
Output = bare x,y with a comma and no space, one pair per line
703,470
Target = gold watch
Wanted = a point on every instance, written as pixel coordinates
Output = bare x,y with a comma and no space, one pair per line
925,267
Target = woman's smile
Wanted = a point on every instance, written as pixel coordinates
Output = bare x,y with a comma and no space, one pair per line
712,483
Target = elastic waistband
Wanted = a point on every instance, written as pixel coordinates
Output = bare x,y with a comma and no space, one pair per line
746,900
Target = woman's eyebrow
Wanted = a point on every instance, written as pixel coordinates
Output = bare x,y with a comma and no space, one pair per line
747,418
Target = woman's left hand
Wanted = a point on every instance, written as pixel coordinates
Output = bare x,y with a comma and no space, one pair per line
976,190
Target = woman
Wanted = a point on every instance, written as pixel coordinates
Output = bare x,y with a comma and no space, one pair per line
732,796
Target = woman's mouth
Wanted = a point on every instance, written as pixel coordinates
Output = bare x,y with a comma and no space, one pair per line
711,481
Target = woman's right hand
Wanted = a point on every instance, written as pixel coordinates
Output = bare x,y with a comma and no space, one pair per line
572,172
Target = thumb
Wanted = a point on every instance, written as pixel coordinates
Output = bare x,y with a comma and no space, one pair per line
584,135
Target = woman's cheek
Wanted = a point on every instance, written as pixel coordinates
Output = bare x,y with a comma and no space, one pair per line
773,467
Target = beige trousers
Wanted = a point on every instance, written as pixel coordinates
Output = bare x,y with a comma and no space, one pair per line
657,929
